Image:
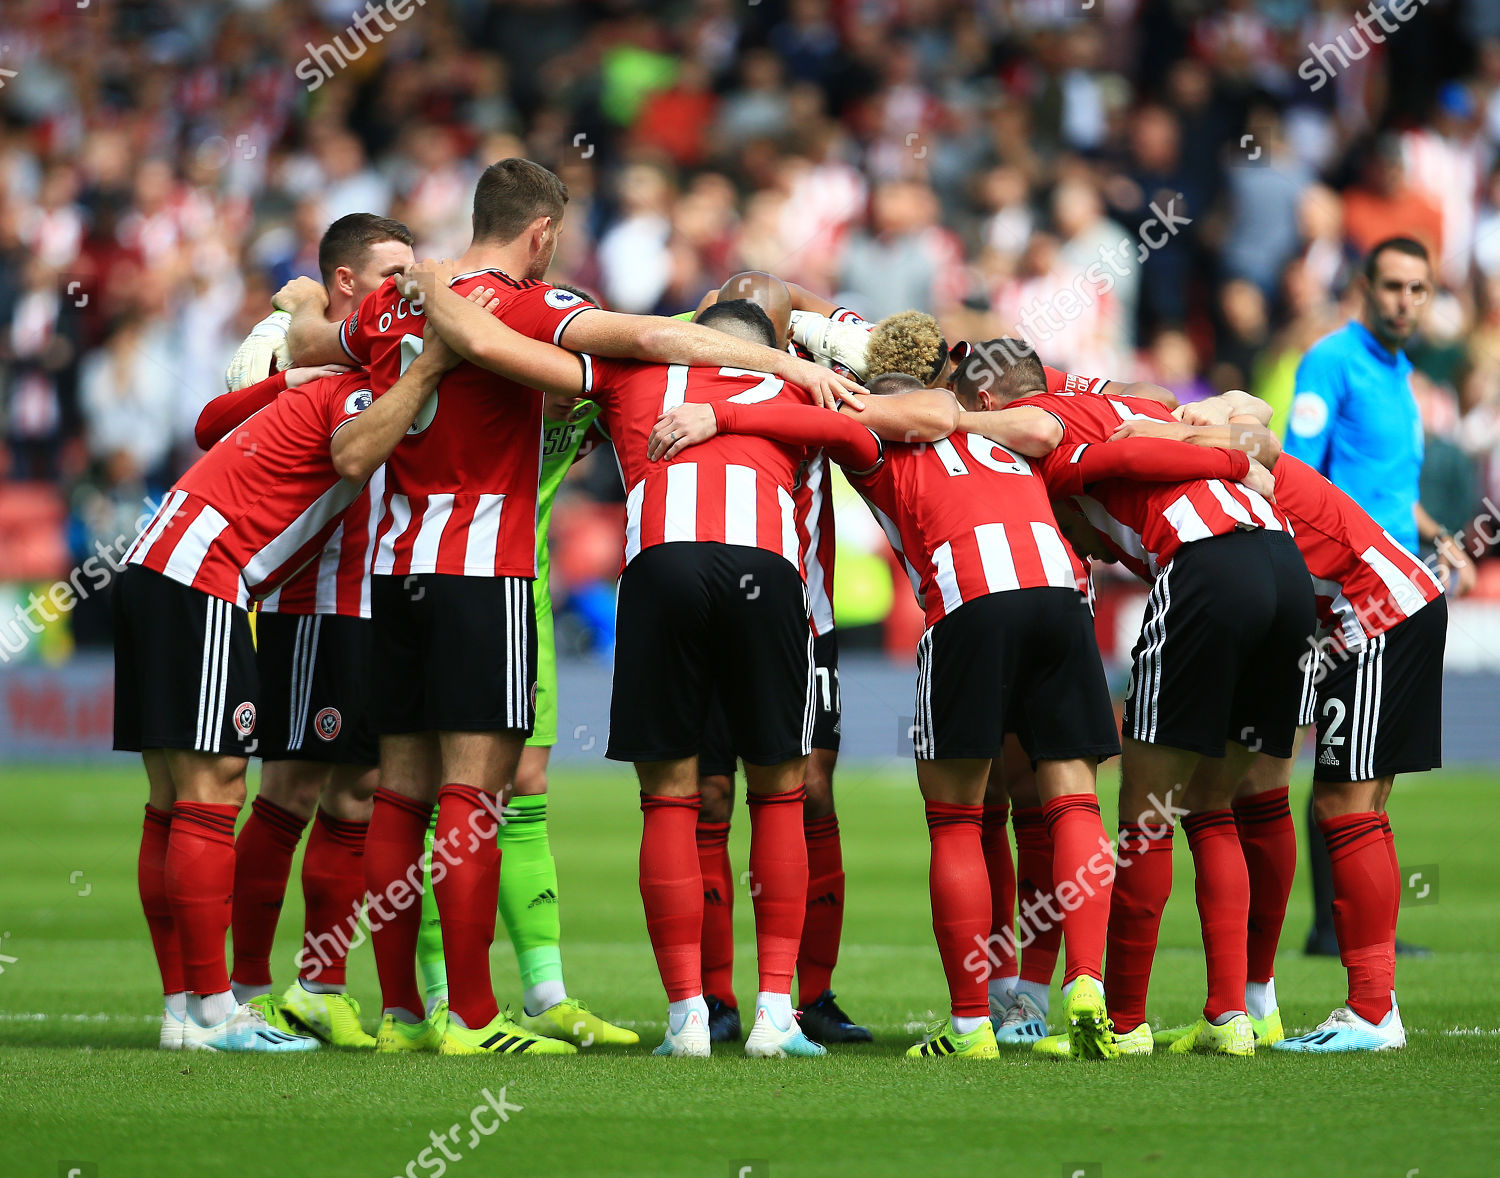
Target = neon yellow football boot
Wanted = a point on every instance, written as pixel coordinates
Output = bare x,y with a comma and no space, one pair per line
396,1037
1090,1033
571,1021
1268,1030
270,1008
1234,1037
503,1036
943,1040
333,1018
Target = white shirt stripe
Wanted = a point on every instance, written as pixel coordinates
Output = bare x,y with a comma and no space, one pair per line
1055,562
633,503
681,521
300,531
995,556
424,549
1186,521
946,578
484,536
187,557
740,519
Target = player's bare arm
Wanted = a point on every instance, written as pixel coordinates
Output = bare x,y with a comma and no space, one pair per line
926,415
1224,408
478,337
674,341
310,337
360,445
1023,430
1240,434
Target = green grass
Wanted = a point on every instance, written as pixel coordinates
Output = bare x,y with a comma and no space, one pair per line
79,1079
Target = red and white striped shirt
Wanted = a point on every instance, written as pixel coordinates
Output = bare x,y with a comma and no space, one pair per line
1144,524
263,501
1364,580
337,580
461,488
968,518
731,489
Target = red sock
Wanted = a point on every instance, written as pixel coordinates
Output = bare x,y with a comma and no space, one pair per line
393,855
1268,837
1083,868
672,892
718,911
468,898
1222,885
994,840
262,862
1362,905
778,884
151,879
1040,936
1143,881
333,883
1390,846
960,903
823,925
200,888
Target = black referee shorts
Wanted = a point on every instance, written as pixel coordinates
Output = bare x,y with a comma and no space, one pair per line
1222,654
700,620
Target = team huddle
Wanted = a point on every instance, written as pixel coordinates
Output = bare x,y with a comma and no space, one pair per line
378,487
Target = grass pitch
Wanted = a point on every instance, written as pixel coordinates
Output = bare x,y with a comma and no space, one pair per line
85,1091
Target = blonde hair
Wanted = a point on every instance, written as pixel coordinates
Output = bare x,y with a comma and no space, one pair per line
908,342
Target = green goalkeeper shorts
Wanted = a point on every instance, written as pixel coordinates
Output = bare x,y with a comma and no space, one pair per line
544,735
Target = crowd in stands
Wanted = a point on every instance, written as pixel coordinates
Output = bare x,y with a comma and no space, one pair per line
1175,190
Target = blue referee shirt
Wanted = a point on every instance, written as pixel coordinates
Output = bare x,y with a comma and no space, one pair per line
1354,419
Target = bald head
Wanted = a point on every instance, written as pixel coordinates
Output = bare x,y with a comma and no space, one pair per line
768,293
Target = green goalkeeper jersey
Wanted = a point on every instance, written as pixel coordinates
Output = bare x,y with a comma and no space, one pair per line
561,441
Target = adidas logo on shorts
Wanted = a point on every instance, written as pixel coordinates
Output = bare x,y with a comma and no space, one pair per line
1328,757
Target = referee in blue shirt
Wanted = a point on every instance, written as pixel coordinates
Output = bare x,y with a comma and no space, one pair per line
1354,419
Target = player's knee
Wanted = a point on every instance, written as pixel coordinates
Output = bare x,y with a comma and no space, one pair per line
295,786
717,793
531,780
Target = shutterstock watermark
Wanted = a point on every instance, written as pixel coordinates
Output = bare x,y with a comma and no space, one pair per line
1041,914
1045,318
314,68
320,950
28,619
484,1120
1323,62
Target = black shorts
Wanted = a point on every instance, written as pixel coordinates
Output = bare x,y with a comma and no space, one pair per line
1380,709
454,654
697,621
1221,656
315,673
184,668
1310,666
1024,661
717,758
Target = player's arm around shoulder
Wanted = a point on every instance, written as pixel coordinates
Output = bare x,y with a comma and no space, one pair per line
660,340
364,436
469,326
1022,429
923,415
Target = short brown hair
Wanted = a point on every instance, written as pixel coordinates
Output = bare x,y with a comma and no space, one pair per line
513,193
346,241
